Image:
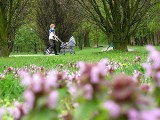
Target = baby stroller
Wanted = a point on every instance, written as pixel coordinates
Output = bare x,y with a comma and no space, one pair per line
68,46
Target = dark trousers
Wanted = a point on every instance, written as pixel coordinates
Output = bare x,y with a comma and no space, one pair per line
53,45
48,46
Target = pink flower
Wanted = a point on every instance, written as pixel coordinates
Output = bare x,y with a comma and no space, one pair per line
29,99
75,105
150,115
82,66
145,88
88,89
95,73
25,68
72,90
2,76
123,88
102,66
98,70
113,108
110,68
51,80
52,99
25,108
150,48
17,113
17,104
154,56
137,59
26,78
37,82
133,114
157,77
2,112
148,68
136,75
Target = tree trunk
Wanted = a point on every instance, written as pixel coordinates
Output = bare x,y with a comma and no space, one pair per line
86,39
120,46
4,51
80,44
35,48
153,39
120,41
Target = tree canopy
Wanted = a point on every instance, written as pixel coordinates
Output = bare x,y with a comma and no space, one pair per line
12,13
118,19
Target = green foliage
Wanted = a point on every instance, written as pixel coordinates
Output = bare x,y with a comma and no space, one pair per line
26,37
10,87
85,110
42,114
151,23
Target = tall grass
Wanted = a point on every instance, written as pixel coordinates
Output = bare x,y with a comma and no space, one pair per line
10,87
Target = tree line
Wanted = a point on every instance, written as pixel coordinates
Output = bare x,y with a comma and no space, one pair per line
127,22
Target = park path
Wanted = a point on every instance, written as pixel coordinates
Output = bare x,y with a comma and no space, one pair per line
30,55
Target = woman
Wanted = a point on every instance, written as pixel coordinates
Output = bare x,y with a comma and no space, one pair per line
52,38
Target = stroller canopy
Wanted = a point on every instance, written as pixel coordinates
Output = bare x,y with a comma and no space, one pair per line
72,41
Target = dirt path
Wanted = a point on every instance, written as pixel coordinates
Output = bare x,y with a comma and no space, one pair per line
30,55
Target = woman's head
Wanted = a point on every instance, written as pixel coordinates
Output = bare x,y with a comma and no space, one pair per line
52,25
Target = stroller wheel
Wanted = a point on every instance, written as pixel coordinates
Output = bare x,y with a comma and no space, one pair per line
45,52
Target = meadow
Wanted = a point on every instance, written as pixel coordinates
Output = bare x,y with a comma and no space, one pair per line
88,54
127,63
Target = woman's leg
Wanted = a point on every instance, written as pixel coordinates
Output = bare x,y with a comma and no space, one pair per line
47,49
54,47
51,42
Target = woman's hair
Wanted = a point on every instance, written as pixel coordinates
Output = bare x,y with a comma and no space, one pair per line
52,25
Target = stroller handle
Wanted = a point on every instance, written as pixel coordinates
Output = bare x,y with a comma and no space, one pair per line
58,38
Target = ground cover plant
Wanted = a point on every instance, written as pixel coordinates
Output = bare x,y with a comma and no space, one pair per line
90,85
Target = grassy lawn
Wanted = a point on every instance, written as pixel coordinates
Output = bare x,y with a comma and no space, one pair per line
87,54
10,87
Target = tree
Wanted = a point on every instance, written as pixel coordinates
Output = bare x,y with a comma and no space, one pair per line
65,14
147,32
28,39
118,19
12,13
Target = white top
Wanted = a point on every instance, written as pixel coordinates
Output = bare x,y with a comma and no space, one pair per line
52,36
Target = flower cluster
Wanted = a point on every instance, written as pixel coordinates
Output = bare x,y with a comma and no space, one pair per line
137,59
92,78
15,71
93,92
153,65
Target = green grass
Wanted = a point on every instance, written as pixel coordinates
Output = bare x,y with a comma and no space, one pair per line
10,88
88,55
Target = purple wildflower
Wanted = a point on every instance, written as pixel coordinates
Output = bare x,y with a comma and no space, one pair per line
29,99
2,112
26,78
37,82
52,99
88,89
113,108
133,114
